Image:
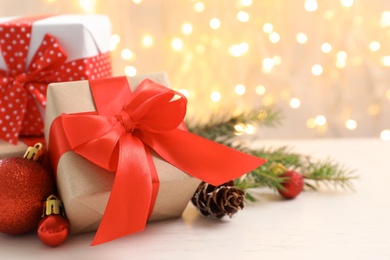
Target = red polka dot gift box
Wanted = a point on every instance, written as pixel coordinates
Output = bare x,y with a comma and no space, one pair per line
36,51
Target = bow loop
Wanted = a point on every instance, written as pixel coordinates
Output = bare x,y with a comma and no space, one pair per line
155,108
13,50
48,57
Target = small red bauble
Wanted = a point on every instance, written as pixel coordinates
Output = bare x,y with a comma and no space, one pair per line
53,229
292,186
24,185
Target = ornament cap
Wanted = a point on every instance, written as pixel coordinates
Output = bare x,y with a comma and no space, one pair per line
34,153
53,206
278,169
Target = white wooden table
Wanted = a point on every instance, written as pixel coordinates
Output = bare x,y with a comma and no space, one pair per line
316,225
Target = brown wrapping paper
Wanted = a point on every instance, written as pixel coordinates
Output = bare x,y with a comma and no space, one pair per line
85,187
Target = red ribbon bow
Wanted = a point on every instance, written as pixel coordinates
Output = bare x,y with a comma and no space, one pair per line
118,136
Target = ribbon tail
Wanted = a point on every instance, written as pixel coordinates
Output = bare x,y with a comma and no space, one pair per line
204,159
128,206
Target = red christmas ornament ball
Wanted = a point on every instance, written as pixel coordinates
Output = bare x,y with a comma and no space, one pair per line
24,186
292,186
53,230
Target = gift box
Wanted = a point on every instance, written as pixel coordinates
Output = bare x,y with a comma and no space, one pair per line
84,120
35,51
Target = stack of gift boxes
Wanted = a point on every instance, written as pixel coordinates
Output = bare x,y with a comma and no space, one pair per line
118,146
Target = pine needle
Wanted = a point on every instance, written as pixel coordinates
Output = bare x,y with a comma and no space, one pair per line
314,172
221,126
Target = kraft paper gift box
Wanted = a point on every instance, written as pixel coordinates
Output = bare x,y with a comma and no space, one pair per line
36,51
84,187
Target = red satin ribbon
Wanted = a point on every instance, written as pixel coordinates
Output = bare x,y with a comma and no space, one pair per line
22,87
117,137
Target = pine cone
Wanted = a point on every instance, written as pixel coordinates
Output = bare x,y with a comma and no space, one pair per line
218,201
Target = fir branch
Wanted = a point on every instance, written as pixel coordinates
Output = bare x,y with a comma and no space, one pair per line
265,175
283,155
314,172
221,126
328,172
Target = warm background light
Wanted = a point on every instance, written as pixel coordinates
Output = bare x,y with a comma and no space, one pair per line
311,5
351,124
199,7
177,44
385,135
301,38
324,64
147,41
320,120
267,28
326,47
260,90
127,54
295,103
186,28
215,23
274,37
317,70
215,96
243,16
240,89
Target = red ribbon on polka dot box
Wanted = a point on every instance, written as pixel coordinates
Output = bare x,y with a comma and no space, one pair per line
36,51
